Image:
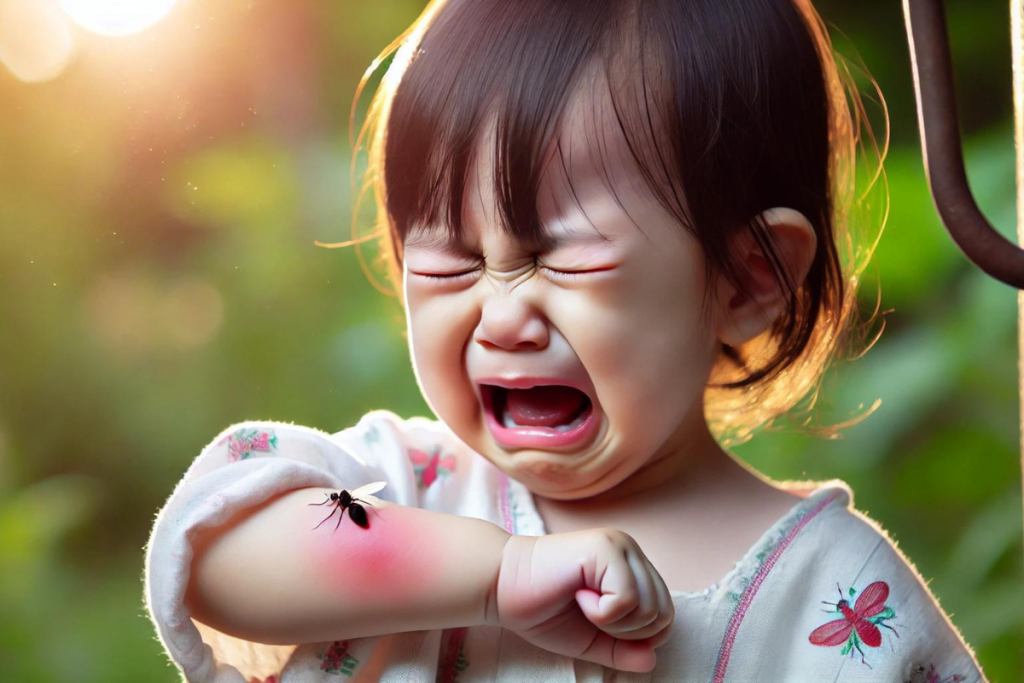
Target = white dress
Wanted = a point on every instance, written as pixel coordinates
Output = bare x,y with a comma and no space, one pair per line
764,621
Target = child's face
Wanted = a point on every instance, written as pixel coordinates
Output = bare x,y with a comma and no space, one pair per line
631,332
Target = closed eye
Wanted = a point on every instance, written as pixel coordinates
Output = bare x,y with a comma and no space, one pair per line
571,274
445,276
558,274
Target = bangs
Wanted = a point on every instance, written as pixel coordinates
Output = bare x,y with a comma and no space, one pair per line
509,75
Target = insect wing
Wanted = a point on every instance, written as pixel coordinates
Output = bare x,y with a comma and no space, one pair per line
872,599
418,457
833,633
358,514
369,489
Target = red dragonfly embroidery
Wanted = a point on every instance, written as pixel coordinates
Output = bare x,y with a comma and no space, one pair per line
429,467
859,623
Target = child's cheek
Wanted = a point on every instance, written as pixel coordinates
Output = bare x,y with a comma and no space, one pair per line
394,553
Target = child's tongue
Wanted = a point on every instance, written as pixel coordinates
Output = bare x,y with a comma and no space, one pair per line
547,406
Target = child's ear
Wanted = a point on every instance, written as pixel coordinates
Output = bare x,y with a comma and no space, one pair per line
740,318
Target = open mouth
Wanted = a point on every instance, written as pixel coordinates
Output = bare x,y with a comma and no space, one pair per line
542,416
555,407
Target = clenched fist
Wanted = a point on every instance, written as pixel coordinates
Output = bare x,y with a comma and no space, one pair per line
590,594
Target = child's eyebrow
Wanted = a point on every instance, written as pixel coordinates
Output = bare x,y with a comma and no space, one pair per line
438,240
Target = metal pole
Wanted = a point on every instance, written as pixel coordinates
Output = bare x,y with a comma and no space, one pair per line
940,145
1017,40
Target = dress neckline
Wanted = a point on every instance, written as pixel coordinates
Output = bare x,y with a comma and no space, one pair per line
528,522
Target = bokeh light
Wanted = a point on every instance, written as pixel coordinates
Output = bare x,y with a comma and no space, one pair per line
35,40
117,17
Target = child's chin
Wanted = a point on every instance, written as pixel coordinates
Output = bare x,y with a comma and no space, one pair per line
558,482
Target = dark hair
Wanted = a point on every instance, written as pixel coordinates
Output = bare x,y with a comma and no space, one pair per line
730,107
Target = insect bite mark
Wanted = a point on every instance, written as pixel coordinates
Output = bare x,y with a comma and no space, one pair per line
394,554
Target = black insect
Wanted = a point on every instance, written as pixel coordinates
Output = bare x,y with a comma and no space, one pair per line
343,500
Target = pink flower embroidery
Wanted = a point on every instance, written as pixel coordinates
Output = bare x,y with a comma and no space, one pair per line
921,675
430,467
337,659
455,661
245,441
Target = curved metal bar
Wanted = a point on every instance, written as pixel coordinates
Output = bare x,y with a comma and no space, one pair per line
941,148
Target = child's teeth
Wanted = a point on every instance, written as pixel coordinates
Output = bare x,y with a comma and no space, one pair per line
572,425
507,420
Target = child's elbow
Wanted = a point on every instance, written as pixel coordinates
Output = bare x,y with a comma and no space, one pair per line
205,595
216,591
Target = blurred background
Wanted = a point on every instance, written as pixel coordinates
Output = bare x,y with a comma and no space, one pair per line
163,175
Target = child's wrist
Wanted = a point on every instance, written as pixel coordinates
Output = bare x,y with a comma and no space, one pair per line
515,548
490,610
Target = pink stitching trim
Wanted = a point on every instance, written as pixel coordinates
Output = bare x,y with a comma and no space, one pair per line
755,583
504,503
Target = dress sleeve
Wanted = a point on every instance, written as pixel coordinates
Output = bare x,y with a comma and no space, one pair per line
826,596
244,466
930,648
892,628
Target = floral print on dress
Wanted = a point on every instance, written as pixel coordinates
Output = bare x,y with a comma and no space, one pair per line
919,674
337,660
430,467
455,661
372,434
858,624
244,442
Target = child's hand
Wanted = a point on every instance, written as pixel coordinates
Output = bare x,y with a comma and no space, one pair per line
590,594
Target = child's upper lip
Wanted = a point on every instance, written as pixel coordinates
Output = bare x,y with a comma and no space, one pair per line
527,381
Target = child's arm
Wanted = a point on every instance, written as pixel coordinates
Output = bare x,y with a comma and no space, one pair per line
234,548
266,576
245,468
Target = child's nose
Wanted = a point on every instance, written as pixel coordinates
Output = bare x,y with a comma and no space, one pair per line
511,323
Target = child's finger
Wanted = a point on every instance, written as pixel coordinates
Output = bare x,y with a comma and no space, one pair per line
659,638
641,621
665,607
619,594
624,655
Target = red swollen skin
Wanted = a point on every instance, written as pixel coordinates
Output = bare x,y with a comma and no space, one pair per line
393,557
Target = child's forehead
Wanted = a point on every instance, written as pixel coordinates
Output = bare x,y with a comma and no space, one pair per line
589,150
587,163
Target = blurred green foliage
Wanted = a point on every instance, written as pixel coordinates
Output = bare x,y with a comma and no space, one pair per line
158,281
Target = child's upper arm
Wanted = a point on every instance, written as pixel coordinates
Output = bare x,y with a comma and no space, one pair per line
243,467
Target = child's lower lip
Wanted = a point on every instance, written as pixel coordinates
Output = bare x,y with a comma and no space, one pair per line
540,437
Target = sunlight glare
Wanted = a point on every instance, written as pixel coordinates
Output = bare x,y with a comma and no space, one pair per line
35,40
117,17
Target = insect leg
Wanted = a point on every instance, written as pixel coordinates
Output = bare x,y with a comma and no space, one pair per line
328,516
339,517
891,628
862,660
326,501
